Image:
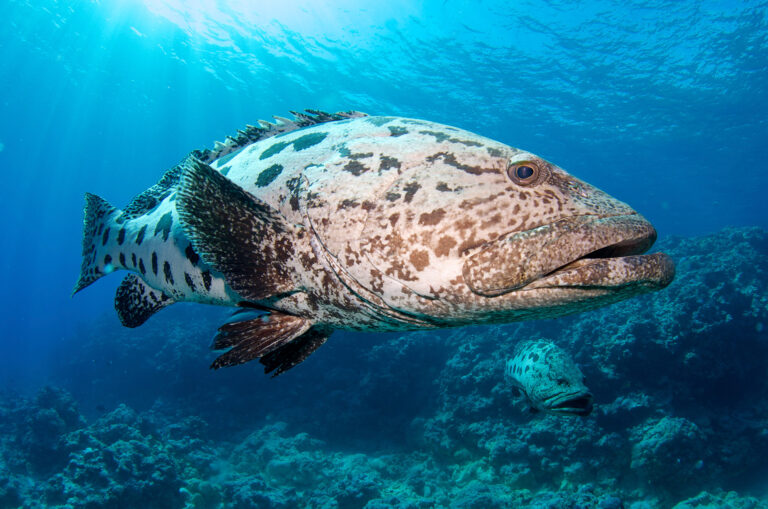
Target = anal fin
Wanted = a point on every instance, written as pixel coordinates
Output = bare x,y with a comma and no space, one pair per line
281,341
136,301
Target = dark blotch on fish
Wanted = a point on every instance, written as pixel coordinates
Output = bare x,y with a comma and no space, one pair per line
274,149
191,255
268,175
207,280
410,189
450,160
188,280
388,162
347,203
356,168
379,121
167,272
308,140
439,137
140,235
304,142
164,225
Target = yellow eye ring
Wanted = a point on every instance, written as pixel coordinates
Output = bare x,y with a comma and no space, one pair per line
524,173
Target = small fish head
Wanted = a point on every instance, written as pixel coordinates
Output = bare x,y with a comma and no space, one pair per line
550,379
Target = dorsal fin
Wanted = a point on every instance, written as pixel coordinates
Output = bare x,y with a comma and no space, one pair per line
149,199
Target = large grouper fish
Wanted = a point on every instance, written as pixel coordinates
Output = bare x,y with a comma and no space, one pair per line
366,223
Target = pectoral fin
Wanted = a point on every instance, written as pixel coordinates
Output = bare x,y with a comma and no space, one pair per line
290,354
281,341
241,236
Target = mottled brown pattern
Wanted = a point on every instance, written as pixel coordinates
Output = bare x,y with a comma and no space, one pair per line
495,219
431,218
444,245
419,259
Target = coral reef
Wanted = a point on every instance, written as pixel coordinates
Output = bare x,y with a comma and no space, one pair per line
416,420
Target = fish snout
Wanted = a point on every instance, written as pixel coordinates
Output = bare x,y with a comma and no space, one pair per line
588,199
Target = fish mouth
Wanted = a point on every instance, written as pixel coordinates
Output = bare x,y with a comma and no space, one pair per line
580,404
587,252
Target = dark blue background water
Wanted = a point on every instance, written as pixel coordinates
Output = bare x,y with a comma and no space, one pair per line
663,104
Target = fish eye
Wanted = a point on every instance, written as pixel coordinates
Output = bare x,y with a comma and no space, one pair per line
561,381
524,173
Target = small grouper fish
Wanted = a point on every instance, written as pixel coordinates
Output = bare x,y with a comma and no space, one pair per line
365,223
548,378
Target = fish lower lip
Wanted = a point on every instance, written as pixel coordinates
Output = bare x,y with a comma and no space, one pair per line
581,405
654,271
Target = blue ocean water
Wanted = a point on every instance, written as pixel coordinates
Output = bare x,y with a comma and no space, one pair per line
662,104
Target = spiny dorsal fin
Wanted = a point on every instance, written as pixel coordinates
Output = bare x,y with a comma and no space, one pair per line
149,199
136,301
239,235
252,134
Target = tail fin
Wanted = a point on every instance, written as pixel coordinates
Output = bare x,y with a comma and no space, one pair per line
98,215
